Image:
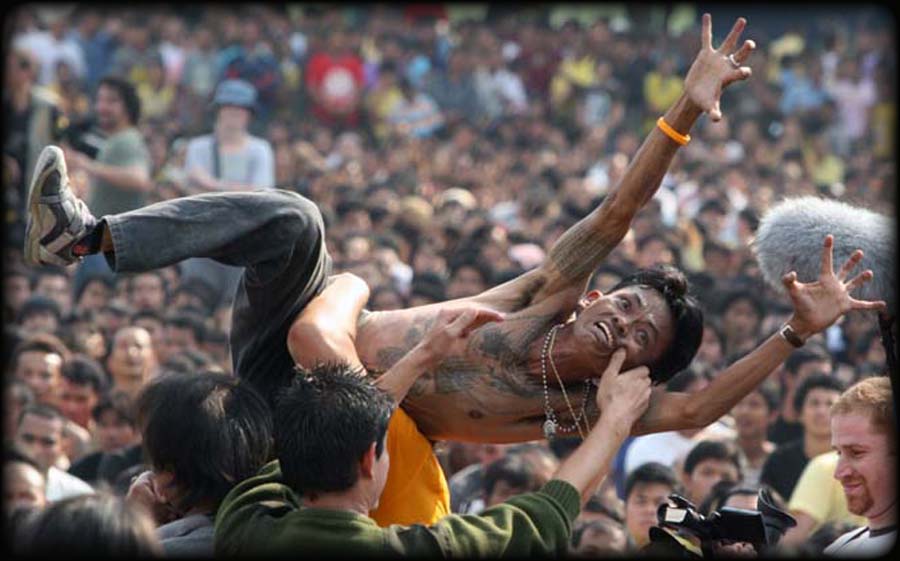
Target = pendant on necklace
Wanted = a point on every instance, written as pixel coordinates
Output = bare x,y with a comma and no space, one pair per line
549,429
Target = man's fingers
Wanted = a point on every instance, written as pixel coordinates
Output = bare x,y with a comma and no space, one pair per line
859,279
615,362
827,256
731,40
850,264
744,52
706,32
641,372
715,113
790,281
877,305
482,316
459,323
472,318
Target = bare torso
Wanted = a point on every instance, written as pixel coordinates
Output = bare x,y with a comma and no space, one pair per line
491,393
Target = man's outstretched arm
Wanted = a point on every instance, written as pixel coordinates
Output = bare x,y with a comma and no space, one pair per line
817,305
581,249
326,331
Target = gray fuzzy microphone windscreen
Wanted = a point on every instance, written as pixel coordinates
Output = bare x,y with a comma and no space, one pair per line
791,234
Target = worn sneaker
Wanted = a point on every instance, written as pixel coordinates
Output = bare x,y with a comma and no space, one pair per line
57,219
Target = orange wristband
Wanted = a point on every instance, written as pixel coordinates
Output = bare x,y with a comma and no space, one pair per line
681,139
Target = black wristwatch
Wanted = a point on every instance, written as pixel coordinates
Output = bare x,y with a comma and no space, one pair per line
791,336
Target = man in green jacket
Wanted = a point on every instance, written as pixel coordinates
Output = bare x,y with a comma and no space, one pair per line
330,428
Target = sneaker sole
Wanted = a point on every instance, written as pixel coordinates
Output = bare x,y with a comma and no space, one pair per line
34,253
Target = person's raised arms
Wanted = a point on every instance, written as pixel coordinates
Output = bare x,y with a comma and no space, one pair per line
581,249
817,305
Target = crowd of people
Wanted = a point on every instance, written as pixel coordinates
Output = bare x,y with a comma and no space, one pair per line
447,149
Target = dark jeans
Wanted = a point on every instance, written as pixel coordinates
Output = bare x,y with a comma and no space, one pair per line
277,236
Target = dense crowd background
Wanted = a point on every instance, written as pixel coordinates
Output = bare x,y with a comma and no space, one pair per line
448,148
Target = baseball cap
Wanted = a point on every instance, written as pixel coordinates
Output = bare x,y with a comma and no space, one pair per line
239,93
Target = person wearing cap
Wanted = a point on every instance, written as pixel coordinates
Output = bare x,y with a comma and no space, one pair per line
230,158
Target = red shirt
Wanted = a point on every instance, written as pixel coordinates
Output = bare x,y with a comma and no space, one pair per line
338,81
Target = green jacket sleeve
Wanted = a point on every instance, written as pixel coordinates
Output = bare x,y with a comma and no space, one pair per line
239,520
533,524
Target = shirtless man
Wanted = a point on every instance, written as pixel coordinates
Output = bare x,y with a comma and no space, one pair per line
502,386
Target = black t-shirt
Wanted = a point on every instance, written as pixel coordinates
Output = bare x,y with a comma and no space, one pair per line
782,432
784,467
104,466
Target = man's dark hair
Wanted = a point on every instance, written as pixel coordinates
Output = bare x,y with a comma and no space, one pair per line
743,294
119,403
720,493
471,260
94,525
82,370
597,505
183,319
36,305
202,289
211,431
48,271
651,472
40,342
712,450
102,278
515,470
127,93
605,527
429,285
163,281
770,395
43,410
687,377
801,356
687,318
324,422
816,381
147,314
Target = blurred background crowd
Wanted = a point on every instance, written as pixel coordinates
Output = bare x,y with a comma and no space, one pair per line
448,146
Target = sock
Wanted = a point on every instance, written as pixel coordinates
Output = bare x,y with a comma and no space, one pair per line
90,242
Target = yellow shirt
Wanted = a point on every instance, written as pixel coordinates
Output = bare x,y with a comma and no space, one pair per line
416,490
820,495
660,91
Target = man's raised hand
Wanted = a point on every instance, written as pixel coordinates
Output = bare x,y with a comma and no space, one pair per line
451,330
819,304
713,69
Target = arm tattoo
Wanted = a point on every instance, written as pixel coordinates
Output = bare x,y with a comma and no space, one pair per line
526,297
582,248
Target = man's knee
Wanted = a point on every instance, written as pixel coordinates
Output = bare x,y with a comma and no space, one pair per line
300,217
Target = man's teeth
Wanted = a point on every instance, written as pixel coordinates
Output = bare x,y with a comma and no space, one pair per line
604,330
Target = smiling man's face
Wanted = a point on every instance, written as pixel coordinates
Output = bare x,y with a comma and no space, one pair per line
635,317
867,463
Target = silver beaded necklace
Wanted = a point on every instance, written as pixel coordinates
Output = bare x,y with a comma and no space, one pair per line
551,423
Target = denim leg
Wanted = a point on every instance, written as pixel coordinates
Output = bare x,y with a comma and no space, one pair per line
278,236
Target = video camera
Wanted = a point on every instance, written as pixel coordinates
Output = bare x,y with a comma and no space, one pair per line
681,526
84,136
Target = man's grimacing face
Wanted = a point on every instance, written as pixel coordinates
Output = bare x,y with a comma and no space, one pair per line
635,317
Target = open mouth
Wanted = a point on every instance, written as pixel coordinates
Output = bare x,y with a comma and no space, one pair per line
607,335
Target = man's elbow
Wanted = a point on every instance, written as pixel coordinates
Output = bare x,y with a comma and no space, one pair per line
696,416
